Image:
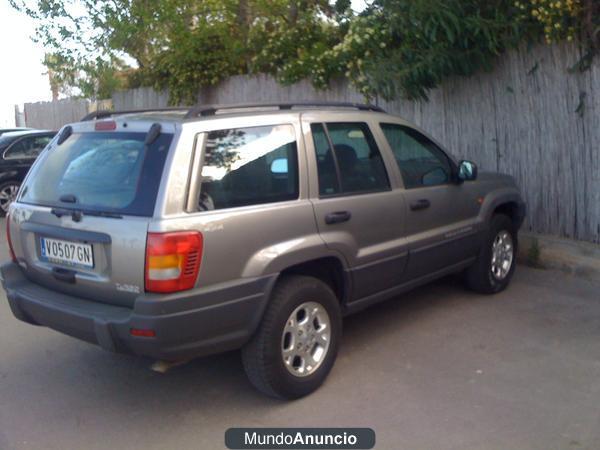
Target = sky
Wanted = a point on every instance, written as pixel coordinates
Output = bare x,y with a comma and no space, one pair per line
23,77
22,74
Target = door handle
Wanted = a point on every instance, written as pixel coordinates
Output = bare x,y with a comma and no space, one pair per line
420,204
337,217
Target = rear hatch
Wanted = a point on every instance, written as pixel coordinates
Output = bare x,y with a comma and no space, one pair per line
81,220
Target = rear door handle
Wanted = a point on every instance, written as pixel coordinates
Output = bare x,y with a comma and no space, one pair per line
420,204
337,217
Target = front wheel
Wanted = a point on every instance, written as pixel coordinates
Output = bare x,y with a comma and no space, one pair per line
296,344
8,194
495,264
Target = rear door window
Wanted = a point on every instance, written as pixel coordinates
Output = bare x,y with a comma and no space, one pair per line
113,172
249,166
348,160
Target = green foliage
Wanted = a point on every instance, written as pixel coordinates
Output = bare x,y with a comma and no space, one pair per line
202,46
393,48
91,79
291,47
407,47
560,19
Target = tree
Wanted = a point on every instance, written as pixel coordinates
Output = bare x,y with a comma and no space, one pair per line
94,79
175,44
393,48
407,47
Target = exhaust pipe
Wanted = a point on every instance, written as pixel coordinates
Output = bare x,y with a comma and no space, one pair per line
164,366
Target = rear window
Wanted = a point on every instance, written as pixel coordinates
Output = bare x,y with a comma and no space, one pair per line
109,172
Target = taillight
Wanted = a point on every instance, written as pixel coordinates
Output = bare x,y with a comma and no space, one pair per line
172,261
10,247
105,125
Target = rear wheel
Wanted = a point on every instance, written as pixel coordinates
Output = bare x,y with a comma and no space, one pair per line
296,344
495,264
8,194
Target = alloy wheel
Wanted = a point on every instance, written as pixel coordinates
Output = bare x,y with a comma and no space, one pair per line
502,255
306,339
8,194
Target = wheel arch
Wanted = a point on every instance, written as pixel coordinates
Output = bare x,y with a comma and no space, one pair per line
328,269
507,202
307,255
510,209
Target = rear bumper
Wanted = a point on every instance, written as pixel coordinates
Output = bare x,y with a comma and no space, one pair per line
187,324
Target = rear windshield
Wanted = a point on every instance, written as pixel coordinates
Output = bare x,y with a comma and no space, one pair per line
108,172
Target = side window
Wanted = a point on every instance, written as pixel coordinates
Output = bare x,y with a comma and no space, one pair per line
249,166
421,162
19,149
353,165
39,144
27,148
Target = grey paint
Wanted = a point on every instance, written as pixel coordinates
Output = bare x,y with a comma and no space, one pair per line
384,249
119,263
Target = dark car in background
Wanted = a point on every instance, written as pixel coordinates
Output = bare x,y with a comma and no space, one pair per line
18,150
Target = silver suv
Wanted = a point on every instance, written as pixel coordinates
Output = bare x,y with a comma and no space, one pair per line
175,234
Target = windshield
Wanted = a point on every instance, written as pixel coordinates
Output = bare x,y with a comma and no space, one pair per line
112,172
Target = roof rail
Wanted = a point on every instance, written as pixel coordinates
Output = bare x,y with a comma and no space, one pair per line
211,110
103,114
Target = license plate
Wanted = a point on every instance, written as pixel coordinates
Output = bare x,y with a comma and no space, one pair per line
66,252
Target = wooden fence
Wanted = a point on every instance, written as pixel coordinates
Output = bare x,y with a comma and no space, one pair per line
529,117
140,98
53,115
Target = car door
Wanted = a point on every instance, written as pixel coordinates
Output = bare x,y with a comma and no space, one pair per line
358,212
441,213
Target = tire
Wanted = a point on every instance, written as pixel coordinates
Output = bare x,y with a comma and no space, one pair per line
7,195
483,276
263,356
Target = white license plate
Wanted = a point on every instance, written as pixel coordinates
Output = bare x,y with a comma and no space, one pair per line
66,252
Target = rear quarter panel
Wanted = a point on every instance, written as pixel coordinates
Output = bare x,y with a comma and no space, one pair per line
247,241
251,241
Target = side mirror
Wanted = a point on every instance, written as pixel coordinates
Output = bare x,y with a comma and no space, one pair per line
279,166
467,171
